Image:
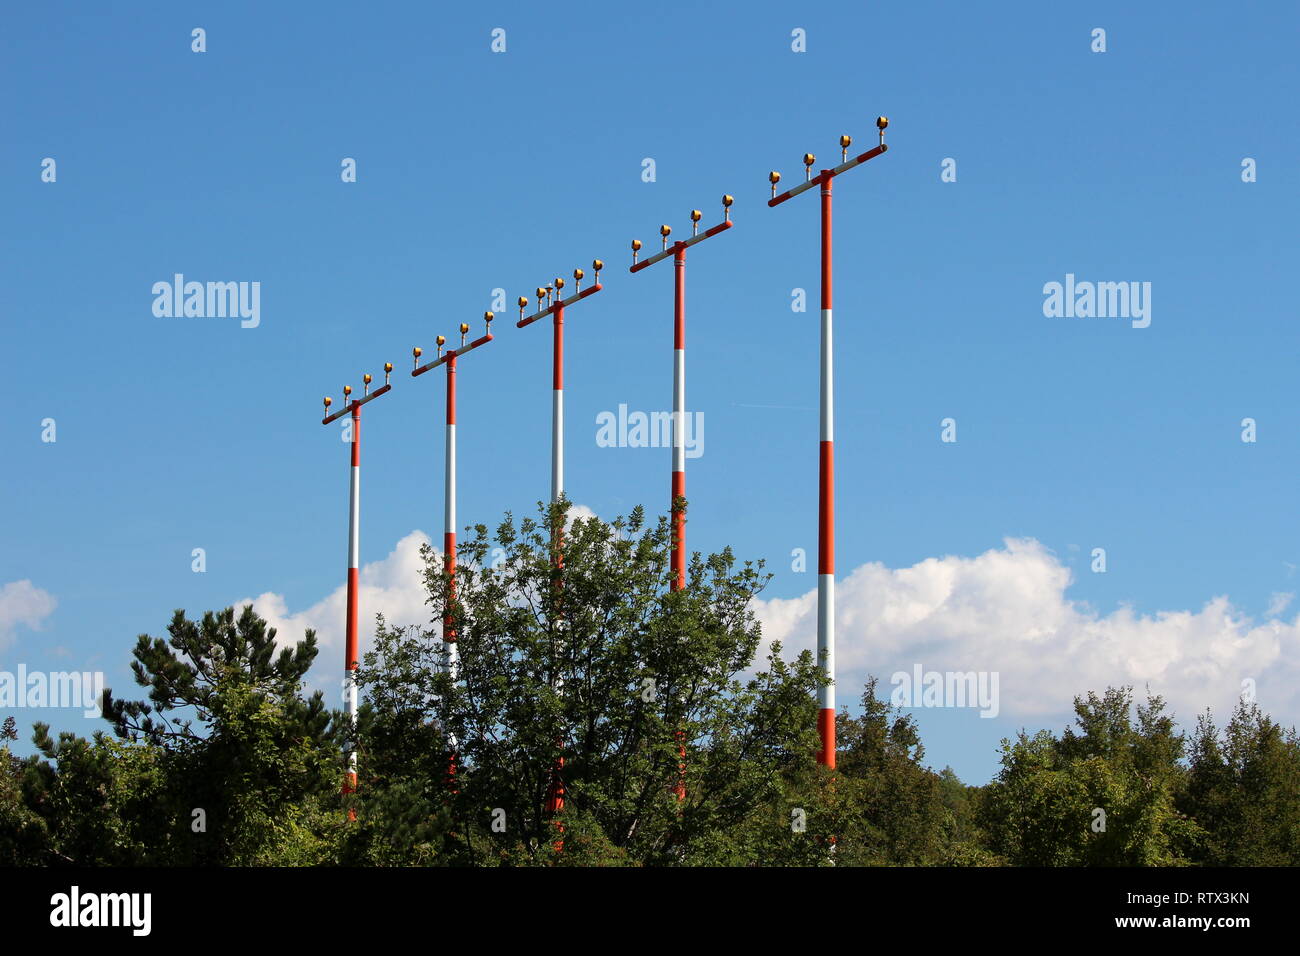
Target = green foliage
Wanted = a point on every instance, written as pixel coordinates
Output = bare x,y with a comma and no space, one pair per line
1244,788
1102,796
681,744
597,663
898,810
225,764
24,835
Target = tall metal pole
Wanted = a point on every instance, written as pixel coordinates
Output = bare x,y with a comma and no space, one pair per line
555,309
826,449
449,517
354,561
449,556
350,648
555,790
826,500
449,504
677,490
550,302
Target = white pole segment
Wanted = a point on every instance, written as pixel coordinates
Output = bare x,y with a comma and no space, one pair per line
557,443
679,410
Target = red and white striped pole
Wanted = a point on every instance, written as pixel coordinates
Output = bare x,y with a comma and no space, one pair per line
826,500
555,790
449,517
354,562
350,650
449,501
677,491
678,487
826,444
555,309
678,479
449,556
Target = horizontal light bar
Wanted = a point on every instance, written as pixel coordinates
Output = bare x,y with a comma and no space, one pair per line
482,340
357,402
682,243
842,167
565,302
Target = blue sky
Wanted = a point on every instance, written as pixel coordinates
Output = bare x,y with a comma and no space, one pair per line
481,170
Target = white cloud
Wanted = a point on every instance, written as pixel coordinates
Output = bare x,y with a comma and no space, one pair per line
575,512
21,602
392,586
1007,610
1278,602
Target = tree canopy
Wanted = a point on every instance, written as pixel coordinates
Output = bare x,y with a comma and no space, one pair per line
595,716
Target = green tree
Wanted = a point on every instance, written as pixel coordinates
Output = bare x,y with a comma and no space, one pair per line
896,810
97,799
24,836
592,660
1102,795
1244,788
247,759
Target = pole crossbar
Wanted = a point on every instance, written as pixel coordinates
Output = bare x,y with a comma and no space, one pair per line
827,174
681,244
561,305
355,403
451,354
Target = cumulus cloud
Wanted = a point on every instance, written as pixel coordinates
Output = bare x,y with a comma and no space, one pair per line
392,586
22,603
1007,611
578,511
